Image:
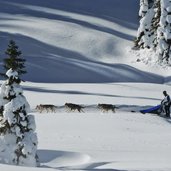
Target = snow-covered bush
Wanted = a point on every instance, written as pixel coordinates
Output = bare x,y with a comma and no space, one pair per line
18,140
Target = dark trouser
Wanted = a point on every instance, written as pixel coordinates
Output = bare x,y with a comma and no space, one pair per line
167,110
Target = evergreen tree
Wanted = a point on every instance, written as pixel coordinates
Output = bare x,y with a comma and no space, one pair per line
14,59
155,23
18,140
146,13
155,28
164,32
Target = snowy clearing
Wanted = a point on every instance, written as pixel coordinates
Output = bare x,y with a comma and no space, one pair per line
96,140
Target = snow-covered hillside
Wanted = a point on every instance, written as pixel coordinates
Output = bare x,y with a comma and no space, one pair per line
79,41
71,41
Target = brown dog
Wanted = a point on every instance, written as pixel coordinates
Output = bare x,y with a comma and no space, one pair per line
74,107
46,107
107,107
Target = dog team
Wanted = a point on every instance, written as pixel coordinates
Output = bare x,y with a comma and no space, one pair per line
73,107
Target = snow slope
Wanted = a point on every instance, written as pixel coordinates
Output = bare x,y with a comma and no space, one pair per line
79,41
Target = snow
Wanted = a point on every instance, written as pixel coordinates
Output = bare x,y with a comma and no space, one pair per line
11,73
3,94
168,9
69,38
95,139
143,8
87,40
79,51
168,19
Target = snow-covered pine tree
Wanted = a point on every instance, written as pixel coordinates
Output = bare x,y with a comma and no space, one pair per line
164,32
3,101
14,59
155,23
155,29
146,14
18,140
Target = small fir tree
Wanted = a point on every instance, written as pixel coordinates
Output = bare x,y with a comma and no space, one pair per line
14,59
18,140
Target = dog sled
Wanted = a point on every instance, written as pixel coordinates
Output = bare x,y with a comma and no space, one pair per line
155,110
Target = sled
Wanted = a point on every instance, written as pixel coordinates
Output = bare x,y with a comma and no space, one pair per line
154,109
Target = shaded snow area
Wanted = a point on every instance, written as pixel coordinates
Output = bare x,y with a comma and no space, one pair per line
94,140
72,41
78,41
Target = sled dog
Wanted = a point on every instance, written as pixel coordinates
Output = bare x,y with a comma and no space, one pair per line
107,107
74,107
46,107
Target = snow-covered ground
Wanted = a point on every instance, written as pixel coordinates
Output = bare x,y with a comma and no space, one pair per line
96,140
79,51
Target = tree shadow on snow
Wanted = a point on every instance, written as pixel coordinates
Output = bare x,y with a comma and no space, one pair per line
46,63
42,90
109,10
82,23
